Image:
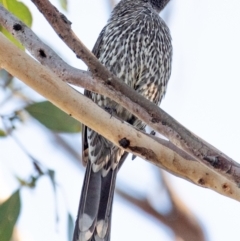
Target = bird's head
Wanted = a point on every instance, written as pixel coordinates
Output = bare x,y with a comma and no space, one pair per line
159,4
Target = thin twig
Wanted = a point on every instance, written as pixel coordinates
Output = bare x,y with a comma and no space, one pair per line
179,218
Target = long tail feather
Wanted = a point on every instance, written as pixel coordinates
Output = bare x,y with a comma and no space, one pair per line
95,208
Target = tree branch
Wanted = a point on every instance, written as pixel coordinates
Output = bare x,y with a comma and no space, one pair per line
105,83
153,149
151,114
182,222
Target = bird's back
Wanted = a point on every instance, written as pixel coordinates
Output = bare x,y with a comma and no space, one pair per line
135,45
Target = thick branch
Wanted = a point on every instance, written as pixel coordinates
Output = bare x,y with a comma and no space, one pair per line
140,107
117,90
121,134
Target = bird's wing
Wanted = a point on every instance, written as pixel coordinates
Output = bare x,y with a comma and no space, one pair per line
96,51
94,214
98,45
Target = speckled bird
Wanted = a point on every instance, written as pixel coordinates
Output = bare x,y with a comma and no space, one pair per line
135,45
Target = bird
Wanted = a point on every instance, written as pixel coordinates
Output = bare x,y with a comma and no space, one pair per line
135,45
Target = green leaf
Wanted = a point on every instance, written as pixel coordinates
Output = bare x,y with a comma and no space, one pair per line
63,4
2,133
21,11
70,227
53,118
9,212
11,38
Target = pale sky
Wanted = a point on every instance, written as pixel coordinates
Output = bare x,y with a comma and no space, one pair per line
203,95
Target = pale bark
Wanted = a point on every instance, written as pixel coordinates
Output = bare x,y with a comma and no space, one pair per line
136,104
159,152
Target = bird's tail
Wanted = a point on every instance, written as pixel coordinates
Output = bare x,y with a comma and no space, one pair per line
94,214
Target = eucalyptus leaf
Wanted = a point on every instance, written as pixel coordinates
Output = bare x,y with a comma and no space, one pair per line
9,212
21,11
53,118
2,133
64,4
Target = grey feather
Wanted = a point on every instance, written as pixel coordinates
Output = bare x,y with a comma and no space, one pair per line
135,45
